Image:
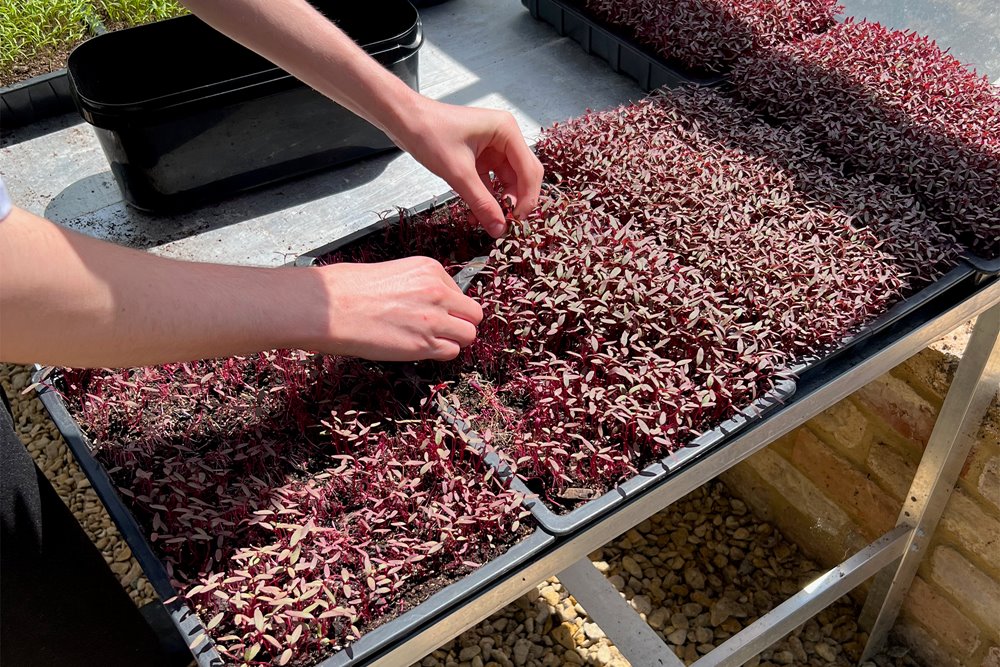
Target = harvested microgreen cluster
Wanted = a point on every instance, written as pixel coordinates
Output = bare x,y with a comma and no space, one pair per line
710,35
892,104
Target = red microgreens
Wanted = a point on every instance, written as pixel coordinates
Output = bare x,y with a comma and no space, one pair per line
892,104
297,500
711,34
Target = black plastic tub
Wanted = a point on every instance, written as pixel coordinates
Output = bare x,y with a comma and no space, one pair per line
185,115
187,622
623,54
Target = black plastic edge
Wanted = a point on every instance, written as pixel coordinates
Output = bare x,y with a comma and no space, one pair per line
187,622
311,257
103,485
416,619
986,267
654,473
623,55
954,276
36,99
43,96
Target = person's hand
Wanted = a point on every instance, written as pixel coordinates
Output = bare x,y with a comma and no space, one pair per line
403,310
463,145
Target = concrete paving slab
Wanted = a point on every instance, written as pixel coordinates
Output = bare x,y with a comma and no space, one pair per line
969,29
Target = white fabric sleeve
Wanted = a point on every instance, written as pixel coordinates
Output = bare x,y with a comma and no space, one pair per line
5,203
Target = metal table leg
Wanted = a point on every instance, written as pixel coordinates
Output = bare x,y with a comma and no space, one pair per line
634,638
975,384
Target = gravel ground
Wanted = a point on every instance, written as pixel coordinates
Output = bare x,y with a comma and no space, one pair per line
49,450
697,572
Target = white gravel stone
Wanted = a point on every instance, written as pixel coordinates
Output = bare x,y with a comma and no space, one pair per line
592,631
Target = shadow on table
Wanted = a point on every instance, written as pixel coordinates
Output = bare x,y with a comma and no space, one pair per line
94,206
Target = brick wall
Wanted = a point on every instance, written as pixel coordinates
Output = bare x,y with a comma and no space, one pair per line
838,482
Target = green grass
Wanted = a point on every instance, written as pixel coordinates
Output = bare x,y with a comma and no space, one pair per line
32,27
137,12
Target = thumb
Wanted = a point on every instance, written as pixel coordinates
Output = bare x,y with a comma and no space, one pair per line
482,203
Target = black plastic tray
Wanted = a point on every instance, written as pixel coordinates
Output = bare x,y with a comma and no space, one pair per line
42,96
562,524
985,267
214,118
966,270
310,258
35,99
624,55
463,278
186,620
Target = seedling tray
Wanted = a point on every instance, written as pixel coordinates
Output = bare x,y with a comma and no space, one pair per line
623,54
42,96
35,99
651,475
560,524
313,257
186,620
965,272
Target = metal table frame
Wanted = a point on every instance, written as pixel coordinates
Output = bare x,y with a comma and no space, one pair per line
893,558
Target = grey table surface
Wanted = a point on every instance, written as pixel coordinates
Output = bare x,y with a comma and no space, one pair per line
478,52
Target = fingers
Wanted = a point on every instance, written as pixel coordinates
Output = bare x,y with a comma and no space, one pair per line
527,170
445,350
457,329
480,201
467,309
462,313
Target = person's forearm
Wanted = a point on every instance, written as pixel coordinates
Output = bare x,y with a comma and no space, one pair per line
297,37
90,303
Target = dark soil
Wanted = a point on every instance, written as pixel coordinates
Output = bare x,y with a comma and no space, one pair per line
472,404
47,61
